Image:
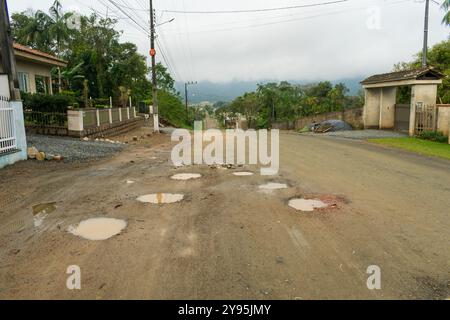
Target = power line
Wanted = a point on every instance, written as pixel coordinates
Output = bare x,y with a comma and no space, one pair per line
130,17
257,10
331,13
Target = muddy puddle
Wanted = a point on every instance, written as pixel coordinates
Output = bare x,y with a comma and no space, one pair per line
307,205
97,229
44,208
41,211
186,176
161,198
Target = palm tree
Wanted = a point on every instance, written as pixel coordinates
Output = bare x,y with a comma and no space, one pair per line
31,30
446,7
59,31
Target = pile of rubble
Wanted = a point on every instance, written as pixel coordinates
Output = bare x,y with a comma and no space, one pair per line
102,140
34,153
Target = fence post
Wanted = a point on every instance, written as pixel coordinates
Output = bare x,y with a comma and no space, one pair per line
97,114
134,112
128,113
110,102
75,121
110,115
120,114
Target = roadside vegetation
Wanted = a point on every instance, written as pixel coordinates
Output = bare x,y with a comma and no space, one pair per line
416,145
284,101
99,65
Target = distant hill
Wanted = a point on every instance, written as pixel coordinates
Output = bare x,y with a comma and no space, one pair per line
213,92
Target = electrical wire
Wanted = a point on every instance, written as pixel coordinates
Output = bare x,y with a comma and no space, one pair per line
258,10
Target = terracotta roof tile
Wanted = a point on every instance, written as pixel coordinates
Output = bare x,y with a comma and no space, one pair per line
35,52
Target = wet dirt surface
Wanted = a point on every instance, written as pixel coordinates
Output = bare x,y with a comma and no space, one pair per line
225,239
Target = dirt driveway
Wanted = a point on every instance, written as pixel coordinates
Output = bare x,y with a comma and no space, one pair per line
227,239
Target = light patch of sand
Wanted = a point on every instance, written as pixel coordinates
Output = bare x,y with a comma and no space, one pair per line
186,176
273,186
243,174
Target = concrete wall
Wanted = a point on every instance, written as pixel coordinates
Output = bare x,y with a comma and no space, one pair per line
87,122
387,107
352,116
372,108
421,93
444,118
11,158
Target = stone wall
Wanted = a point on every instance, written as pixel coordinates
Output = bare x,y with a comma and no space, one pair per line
352,116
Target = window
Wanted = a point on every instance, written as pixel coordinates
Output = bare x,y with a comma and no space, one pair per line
41,84
24,81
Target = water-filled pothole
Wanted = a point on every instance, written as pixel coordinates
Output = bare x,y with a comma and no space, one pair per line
273,186
161,198
97,229
41,211
44,208
130,181
186,176
307,205
243,174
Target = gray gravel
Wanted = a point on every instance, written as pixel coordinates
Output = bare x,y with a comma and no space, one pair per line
366,134
73,149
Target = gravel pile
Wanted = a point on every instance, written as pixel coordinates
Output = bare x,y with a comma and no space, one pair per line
73,149
366,134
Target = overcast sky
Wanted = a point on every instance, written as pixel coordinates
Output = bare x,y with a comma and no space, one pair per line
327,42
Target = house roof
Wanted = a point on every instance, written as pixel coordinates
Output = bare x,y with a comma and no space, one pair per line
424,73
34,54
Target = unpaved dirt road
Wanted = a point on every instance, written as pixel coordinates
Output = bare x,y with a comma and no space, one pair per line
226,239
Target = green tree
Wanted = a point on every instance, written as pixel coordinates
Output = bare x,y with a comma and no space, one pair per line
446,7
439,58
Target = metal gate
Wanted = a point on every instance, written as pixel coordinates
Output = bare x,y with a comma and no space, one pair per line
402,115
8,140
426,118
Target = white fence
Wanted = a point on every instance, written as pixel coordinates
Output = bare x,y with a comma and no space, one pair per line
8,140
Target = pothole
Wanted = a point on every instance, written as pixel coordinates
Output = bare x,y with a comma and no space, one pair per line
307,205
161,198
97,229
273,186
243,174
41,211
130,181
44,208
186,176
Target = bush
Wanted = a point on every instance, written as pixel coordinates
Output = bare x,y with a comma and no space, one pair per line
433,136
47,103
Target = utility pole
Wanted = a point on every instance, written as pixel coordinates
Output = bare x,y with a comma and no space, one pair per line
186,97
154,83
8,58
425,38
